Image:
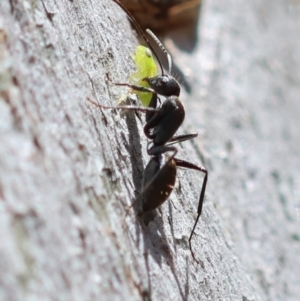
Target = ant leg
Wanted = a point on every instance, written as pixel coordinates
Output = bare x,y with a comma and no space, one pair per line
159,150
174,140
181,138
185,164
133,87
129,108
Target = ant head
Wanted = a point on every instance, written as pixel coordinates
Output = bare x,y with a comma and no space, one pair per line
164,84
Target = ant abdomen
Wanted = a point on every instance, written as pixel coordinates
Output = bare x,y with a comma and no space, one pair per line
154,189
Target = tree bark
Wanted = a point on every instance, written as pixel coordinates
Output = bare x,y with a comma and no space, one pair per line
68,170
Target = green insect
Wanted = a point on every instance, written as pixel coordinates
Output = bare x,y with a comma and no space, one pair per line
145,67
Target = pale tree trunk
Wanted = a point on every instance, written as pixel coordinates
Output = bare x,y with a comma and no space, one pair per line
68,170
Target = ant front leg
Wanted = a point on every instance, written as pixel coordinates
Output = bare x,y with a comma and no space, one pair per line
133,87
189,165
181,138
129,108
154,98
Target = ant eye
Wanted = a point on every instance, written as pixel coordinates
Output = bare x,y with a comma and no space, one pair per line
165,79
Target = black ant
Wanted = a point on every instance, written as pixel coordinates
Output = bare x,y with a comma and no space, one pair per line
161,125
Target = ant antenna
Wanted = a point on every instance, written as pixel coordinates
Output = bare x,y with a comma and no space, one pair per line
162,48
137,26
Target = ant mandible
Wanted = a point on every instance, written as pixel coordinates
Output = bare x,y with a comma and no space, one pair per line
161,125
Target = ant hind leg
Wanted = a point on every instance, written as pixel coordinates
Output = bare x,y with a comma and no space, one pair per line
189,165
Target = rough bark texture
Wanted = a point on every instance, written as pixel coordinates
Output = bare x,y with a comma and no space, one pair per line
68,170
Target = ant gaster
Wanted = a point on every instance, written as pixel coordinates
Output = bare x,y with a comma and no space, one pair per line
162,122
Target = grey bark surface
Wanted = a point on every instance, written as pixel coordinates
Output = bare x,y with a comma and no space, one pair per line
68,170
